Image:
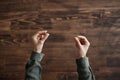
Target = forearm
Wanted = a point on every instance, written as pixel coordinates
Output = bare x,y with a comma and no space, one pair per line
33,67
84,70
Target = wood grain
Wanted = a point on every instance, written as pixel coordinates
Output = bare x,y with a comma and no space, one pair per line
98,20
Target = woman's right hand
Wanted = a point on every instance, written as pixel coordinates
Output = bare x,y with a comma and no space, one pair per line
82,44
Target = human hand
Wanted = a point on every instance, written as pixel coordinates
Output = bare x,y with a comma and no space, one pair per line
82,44
39,39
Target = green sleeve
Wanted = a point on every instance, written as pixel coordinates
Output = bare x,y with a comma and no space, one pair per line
84,70
33,69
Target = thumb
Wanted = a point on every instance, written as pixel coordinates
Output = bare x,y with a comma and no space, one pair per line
78,44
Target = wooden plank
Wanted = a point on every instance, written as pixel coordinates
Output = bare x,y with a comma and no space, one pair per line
98,20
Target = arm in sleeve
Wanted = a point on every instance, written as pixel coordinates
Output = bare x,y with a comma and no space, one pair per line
33,69
84,70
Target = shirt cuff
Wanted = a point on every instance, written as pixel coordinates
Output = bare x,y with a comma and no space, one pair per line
36,56
82,62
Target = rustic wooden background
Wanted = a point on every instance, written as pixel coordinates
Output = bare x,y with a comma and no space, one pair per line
99,20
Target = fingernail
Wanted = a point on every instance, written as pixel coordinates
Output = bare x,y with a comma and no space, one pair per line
48,34
45,30
75,38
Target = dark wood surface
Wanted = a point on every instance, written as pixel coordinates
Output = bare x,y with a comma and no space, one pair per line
98,20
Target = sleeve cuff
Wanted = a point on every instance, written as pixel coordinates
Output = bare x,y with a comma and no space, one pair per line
36,56
82,62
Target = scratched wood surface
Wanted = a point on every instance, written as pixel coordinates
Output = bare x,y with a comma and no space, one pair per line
99,20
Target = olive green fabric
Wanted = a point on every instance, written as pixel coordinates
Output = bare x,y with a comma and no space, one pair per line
33,69
84,70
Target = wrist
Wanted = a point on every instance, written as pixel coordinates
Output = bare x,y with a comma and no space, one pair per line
37,50
82,55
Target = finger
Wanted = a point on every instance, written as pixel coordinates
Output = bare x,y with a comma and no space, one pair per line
45,36
41,32
81,40
77,42
38,33
84,40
